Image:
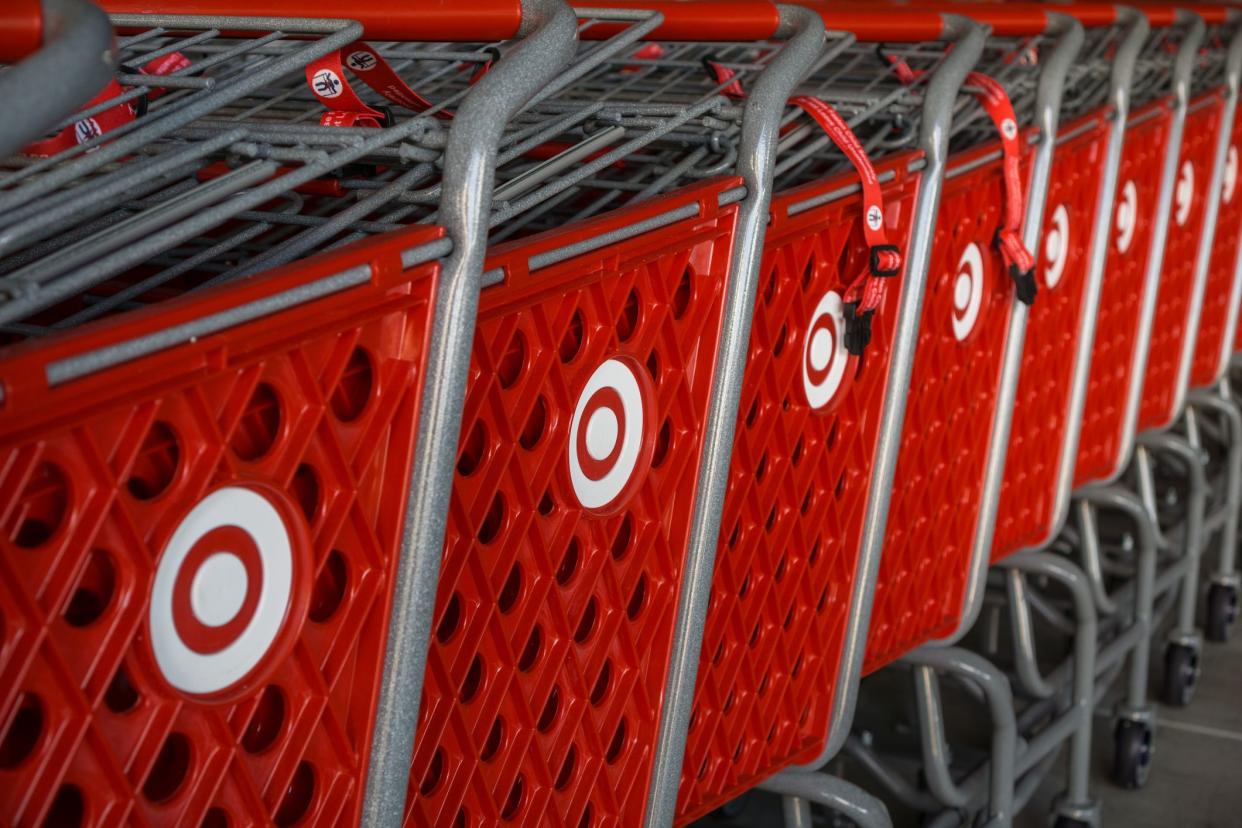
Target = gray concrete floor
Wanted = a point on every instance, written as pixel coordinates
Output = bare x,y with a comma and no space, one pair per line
1196,778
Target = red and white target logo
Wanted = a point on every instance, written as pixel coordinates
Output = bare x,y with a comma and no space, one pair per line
824,355
608,435
1009,129
1184,195
223,588
1230,182
1127,216
967,291
1056,246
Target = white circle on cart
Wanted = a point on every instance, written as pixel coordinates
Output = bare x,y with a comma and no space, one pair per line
875,217
219,588
601,433
1127,216
86,129
824,357
611,409
967,291
1009,129
1230,182
1056,246
1184,195
327,84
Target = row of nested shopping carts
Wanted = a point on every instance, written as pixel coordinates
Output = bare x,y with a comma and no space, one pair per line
513,412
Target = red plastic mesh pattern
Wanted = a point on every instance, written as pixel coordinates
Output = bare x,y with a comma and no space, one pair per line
794,511
1113,354
1208,364
316,404
1168,334
1037,432
949,410
554,624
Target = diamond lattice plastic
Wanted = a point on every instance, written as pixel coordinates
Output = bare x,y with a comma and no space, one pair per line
1025,514
556,602
1194,168
1209,361
234,685
1113,355
793,517
949,415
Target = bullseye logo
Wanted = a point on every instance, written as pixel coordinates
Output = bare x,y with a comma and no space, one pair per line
1056,246
1184,195
824,355
1009,129
967,291
223,589
1231,175
1127,216
608,435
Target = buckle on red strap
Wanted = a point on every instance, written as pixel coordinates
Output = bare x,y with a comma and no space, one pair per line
1024,286
857,328
880,252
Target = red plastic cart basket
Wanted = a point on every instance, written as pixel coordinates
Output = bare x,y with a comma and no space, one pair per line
206,470
1048,406
945,490
578,493
1188,250
202,506
803,517
1223,289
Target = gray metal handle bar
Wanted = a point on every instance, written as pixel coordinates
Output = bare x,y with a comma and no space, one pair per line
76,61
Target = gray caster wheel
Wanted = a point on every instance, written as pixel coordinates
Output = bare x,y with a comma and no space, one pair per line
1181,674
1132,751
1222,611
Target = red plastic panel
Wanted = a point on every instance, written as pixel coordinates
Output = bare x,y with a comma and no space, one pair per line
1208,363
1168,334
793,516
569,521
1113,355
1025,514
949,410
196,556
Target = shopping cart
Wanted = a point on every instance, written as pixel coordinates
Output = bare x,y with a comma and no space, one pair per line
944,497
804,514
1136,243
208,444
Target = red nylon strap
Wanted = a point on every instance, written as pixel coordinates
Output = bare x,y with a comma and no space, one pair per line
868,292
108,120
995,102
328,82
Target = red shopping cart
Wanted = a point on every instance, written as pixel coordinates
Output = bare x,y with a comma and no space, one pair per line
207,436
944,497
802,523
1146,182
1184,273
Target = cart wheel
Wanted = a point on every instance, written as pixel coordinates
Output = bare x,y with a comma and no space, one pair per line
1181,674
1132,750
1070,822
1222,611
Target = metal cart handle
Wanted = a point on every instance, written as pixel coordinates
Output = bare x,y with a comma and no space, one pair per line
67,56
